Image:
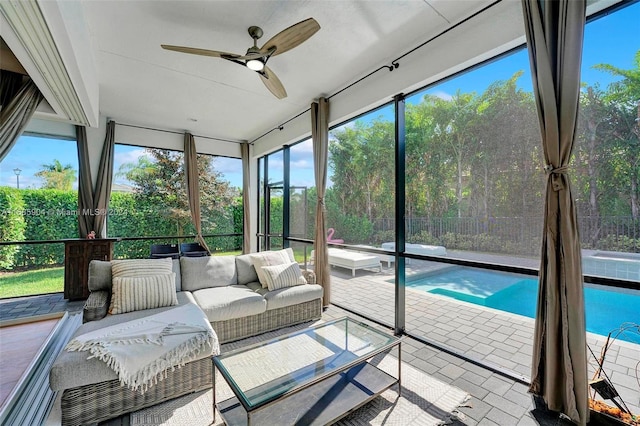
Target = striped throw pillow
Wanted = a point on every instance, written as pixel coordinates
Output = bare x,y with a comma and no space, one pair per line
270,258
281,276
140,267
136,293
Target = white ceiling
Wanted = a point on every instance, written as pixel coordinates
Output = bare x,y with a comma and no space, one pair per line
143,84
139,83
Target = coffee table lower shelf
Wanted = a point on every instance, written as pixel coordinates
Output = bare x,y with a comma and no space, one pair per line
321,404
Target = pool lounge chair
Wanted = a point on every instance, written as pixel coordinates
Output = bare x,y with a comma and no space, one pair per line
352,260
424,249
389,258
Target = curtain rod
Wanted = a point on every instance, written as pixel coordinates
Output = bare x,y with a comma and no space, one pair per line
394,65
178,133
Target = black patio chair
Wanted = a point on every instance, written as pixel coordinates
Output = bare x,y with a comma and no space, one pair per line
192,250
160,251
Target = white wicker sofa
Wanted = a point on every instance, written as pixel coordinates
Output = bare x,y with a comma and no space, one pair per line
228,291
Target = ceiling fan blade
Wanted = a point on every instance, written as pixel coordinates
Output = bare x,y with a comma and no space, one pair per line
273,83
196,51
291,37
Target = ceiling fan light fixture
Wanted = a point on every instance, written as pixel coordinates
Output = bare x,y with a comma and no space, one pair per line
255,64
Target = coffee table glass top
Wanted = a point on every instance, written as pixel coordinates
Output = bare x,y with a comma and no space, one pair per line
263,372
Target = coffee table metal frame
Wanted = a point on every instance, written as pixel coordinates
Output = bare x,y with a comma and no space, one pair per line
217,364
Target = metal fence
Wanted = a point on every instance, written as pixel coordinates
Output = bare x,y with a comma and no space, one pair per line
521,235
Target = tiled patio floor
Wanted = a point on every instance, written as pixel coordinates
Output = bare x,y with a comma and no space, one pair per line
495,400
501,339
23,307
494,337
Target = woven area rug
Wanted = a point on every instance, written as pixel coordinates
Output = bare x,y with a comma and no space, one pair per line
425,400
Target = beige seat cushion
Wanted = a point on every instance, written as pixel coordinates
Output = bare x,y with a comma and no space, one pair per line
292,295
229,302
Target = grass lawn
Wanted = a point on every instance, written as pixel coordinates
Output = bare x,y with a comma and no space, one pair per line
40,281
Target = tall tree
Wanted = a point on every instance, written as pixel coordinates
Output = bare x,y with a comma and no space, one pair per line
159,176
453,127
429,171
506,157
622,124
57,176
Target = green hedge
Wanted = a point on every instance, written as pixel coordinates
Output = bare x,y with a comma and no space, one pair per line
49,214
12,225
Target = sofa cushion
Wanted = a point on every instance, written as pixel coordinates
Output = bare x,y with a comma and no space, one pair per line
292,295
246,270
140,267
73,369
224,303
270,258
99,276
175,268
281,276
208,271
137,293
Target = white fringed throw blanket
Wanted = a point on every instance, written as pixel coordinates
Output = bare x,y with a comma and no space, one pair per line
142,351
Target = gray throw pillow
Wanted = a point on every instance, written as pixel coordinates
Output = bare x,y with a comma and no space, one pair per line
99,276
208,271
176,270
246,271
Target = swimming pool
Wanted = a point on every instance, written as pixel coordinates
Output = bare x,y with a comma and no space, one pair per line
518,294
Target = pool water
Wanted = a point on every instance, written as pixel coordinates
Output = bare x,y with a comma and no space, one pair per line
606,310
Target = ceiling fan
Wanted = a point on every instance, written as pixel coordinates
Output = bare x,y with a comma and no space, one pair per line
256,57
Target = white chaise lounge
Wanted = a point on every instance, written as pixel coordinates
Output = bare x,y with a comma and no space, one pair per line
427,250
389,258
352,260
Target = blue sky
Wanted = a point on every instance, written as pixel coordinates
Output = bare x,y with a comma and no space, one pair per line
612,39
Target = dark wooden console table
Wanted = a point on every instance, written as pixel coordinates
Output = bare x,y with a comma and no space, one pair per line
77,255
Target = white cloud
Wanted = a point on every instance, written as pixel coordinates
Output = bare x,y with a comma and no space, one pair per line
442,95
227,165
301,164
128,156
305,147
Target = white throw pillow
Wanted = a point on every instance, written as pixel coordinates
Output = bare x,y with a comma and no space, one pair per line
136,293
281,276
270,258
141,267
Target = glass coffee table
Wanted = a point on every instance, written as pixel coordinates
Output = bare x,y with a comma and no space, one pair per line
314,376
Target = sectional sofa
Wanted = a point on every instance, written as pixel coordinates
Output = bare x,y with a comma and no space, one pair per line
228,291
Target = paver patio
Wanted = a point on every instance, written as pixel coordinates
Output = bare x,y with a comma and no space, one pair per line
496,338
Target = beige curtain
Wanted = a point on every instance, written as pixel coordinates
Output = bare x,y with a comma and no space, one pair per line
193,186
16,115
85,185
555,32
103,185
320,135
246,193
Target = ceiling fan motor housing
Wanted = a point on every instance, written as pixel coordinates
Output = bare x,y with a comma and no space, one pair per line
255,32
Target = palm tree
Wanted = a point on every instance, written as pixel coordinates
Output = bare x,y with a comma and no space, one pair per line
624,100
57,176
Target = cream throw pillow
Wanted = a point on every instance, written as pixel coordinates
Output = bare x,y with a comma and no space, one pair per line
281,276
140,267
270,258
148,292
